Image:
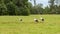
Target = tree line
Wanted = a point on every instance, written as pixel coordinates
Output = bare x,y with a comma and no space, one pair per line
23,7
14,7
53,8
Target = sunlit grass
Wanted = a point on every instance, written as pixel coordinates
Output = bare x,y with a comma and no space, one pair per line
12,25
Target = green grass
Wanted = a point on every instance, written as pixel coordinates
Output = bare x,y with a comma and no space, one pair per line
12,25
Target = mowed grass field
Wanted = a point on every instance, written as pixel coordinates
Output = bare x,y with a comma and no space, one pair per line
12,25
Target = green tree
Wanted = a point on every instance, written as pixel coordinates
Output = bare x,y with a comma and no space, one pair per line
46,10
37,9
14,7
3,8
11,8
51,3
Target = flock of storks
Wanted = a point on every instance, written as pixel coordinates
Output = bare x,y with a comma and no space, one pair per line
35,20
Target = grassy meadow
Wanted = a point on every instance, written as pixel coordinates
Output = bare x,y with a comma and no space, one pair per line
12,25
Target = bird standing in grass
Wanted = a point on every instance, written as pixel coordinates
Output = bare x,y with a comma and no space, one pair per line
36,20
20,19
42,19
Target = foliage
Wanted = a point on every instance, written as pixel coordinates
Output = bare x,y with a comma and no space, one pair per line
14,7
23,7
53,8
